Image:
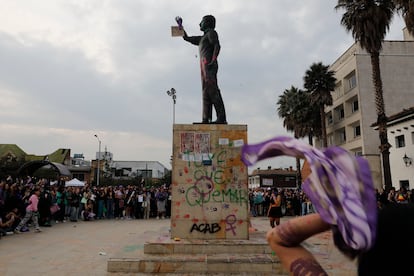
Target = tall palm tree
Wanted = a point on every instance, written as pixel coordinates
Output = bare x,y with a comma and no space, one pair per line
406,8
299,117
319,81
369,21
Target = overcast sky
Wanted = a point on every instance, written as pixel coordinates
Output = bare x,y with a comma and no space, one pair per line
70,69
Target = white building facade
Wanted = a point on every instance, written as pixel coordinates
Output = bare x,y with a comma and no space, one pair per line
350,118
144,169
401,137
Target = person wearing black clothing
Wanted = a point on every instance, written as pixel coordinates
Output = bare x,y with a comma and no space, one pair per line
139,211
74,204
100,199
266,202
168,205
275,211
110,196
153,204
45,202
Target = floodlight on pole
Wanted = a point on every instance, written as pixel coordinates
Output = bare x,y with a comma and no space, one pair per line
172,94
98,158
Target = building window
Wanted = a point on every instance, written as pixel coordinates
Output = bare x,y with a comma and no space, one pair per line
268,182
145,173
355,106
329,118
338,92
412,137
357,131
399,141
405,184
339,113
341,136
79,176
356,151
330,139
351,81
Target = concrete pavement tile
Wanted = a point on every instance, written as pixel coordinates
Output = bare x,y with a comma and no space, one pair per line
74,248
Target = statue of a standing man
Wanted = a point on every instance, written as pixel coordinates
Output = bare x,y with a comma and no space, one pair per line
209,48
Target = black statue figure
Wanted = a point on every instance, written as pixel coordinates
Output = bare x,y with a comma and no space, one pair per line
209,48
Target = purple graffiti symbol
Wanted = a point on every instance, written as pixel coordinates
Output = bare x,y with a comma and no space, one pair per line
226,206
230,220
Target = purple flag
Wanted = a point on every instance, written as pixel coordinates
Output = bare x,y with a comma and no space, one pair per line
340,187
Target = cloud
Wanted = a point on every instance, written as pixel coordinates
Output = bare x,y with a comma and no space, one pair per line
72,69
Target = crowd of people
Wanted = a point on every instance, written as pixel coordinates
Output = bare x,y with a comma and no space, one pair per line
294,202
27,202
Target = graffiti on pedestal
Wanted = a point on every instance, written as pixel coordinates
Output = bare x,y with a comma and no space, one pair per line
211,187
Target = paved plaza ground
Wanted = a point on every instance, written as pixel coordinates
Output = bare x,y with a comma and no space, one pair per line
83,248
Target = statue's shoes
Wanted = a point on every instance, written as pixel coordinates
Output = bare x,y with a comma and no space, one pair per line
219,122
214,122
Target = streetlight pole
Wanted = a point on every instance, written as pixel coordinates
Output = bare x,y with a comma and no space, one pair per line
172,94
99,157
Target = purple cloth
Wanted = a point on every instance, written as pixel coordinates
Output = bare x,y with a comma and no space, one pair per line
179,21
340,186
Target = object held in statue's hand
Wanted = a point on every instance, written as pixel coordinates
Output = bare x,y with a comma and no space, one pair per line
178,30
179,21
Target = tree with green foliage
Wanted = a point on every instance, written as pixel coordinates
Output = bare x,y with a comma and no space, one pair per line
9,165
369,21
299,116
320,82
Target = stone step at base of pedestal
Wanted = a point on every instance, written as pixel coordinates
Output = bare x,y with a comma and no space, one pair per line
199,264
229,247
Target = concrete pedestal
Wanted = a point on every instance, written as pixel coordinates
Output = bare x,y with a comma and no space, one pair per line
209,182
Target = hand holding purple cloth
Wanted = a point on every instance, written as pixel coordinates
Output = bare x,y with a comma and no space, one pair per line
340,187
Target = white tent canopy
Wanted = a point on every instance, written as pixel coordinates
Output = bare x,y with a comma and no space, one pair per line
74,183
53,182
